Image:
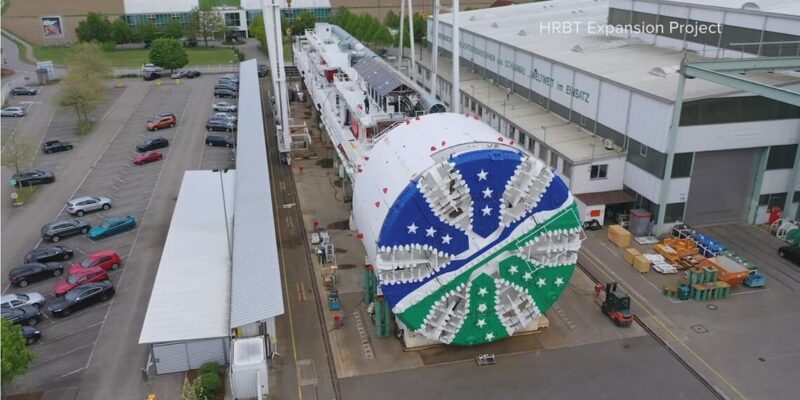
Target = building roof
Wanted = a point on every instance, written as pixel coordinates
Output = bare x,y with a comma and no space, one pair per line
256,290
630,62
610,197
381,77
174,6
788,7
190,298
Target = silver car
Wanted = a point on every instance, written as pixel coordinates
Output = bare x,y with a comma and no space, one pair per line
81,205
229,117
13,112
225,106
17,300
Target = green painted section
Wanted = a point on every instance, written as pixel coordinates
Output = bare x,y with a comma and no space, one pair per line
219,3
481,324
543,294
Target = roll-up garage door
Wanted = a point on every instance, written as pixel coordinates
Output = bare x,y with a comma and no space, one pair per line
170,357
183,356
202,351
721,186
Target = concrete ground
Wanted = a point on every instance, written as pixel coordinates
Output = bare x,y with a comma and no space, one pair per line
94,354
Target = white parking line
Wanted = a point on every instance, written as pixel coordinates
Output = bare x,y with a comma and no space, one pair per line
40,363
14,132
71,333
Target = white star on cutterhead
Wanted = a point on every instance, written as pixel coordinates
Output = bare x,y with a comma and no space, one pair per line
482,175
430,232
527,276
482,307
486,210
487,193
489,336
446,239
541,282
482,292
559,281
412,228
513,269
481,323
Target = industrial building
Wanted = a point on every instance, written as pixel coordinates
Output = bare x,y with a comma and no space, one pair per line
54,23
583,86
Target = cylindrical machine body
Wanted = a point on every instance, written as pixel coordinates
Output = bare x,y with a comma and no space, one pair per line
471,238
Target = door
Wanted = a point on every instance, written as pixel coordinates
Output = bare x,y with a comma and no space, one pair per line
170,357
39,273
202,351
721,186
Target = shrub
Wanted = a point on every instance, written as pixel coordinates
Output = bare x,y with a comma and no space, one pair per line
209,386
211,367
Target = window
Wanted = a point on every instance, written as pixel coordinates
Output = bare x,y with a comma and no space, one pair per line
598,171
567,169
643,150
674,212
682,165
554,160
772,200
542,152
232,19
781,157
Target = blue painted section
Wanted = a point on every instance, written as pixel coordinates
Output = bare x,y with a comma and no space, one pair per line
486,174
555,195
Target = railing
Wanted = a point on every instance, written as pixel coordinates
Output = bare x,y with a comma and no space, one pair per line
204,69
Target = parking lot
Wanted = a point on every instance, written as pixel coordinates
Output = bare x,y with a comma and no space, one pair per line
75,349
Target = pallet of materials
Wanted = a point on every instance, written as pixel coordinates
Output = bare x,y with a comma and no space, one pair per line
674,248
641,263
729,270
630,253
687,262
620,236
660,264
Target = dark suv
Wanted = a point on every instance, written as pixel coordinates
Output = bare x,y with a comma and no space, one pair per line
33,272
152,144
25,315
217,140
219,125
263,69
46,254
33,177
223,92
56,230
54,146
151,76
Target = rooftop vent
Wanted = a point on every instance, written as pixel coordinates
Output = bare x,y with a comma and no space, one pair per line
577,48
664,71
472,18
522,32
494,25
750,6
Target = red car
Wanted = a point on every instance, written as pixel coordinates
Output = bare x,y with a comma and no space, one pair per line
147,157
78,278
106,259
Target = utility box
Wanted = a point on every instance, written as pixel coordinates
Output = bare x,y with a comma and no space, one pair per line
639,222
248,374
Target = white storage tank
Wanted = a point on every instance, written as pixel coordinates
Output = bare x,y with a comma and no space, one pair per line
248,373
472,239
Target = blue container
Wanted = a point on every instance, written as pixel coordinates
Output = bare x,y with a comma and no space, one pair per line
683,292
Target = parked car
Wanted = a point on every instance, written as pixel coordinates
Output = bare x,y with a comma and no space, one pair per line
161,121
146,68
112,226
229,78
178,75
26,315
263,70
55,146
192,74
31,334
217,140
791,253
147,158
80,297
224,106
152,144
33,272
23,91
151,76
33,177
78,278
226,116
48,254
227,93
106,259
56,230
190,42
81,205
216,125
226,86
16,300
13,112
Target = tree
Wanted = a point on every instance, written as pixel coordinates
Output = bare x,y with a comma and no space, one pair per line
391,20
121,32
207,21
303,21
256,29
17,154
168,53
16,357
147,32
95,27
173,29
84,87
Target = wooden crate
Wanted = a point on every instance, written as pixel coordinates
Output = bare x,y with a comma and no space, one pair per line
620,236
630,253
641,264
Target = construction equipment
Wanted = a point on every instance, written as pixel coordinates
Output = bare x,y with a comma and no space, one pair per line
334,304
616,305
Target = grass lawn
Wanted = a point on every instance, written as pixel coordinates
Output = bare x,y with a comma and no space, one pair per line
137,57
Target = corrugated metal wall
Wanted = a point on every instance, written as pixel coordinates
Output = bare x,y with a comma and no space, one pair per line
721,186
183,356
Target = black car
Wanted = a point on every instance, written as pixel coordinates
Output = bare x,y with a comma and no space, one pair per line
190,42
33,272
31,334
227,86
25,315
56,230
33,177
152,144
218,125
54,146
216,140
791,253
23,91
227,93
80,297
151,76
47,254
263,69
192,74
